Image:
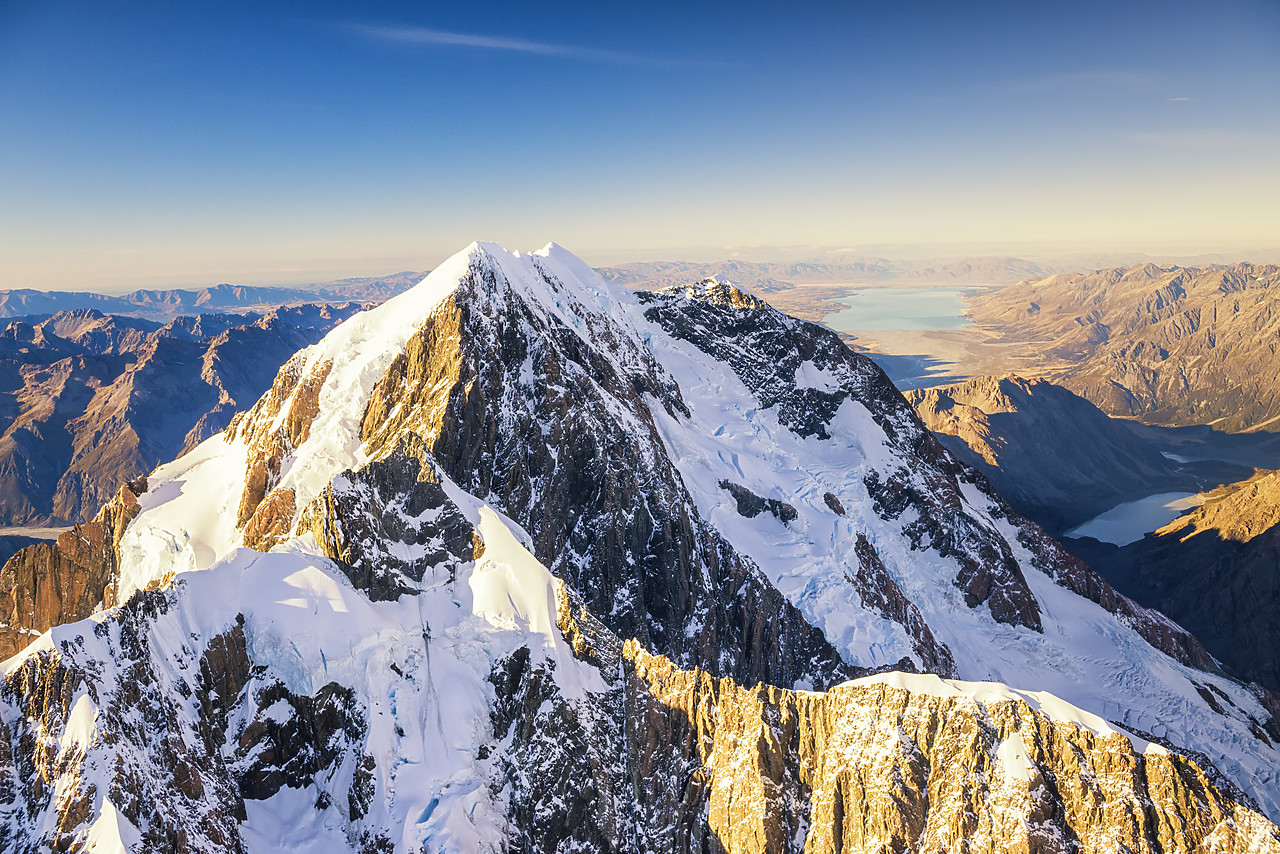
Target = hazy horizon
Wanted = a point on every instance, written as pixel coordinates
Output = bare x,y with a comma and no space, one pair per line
1080,261
175,145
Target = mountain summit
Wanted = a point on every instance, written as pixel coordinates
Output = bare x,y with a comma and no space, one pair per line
521,560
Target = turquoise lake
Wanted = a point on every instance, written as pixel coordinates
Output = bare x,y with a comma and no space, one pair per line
1129,522
919,309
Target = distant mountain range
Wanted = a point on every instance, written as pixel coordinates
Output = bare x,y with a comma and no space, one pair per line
766,277
166,304
89,400
1166,345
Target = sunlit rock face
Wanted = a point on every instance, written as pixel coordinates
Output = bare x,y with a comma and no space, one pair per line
1173,346
468,577
915,763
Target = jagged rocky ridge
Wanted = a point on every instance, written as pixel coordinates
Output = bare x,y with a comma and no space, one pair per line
474,494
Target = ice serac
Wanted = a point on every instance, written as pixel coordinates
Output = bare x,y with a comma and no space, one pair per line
522,561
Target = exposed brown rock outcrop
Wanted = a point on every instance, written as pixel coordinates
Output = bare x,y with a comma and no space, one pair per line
189,807
272,520
48,584
279,422
873,767
751,505
1238,512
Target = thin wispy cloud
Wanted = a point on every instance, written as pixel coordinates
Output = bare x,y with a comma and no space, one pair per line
426,36
1179,99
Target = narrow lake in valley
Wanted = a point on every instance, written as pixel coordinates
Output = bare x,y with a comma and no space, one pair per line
1129,522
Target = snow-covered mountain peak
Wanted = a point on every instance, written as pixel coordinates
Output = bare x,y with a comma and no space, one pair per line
413,598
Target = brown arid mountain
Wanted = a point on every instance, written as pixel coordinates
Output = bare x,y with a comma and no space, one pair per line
1166,345
1215,570
48,583
1054,455
90,401
524,561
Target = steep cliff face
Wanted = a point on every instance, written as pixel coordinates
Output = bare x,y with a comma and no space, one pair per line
48,584
916,763
547,410
394,594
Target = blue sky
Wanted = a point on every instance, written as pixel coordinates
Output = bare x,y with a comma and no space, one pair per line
145,144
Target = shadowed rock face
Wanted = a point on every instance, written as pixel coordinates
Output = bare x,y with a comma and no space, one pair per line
191,806
189,746
1176,346
767,350
1041,444
388,523
1052,454
880,593
575,459
1074,574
